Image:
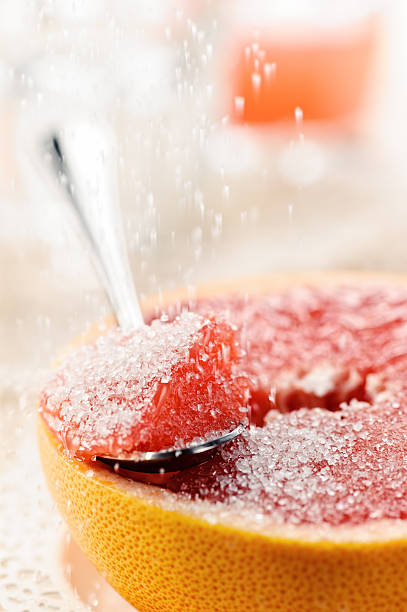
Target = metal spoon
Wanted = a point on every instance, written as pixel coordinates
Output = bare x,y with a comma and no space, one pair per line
82,158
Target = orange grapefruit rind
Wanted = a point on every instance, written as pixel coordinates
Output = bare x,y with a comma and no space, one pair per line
160,556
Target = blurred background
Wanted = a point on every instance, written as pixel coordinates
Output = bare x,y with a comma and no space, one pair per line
252,137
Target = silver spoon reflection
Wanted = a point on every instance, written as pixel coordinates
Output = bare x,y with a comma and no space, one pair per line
88,181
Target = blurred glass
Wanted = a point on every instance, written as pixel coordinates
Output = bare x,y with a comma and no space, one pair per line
283,56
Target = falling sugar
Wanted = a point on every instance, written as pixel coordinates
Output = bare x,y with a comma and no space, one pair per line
256,81
269,70
239,105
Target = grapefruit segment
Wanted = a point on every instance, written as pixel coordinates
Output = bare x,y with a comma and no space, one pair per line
161,386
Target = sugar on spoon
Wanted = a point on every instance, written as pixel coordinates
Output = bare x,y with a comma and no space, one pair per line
81,158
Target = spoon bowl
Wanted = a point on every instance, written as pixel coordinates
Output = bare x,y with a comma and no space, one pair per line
171,460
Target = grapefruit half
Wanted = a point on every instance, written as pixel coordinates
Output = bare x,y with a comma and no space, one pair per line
205,544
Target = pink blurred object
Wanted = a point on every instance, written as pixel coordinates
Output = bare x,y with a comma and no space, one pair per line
321,67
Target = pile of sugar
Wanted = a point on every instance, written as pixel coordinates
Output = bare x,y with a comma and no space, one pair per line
311,466
161,386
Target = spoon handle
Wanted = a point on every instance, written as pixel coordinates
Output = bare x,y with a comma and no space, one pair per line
82,159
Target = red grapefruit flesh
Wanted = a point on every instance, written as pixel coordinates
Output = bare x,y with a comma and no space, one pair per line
161,386
341,352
